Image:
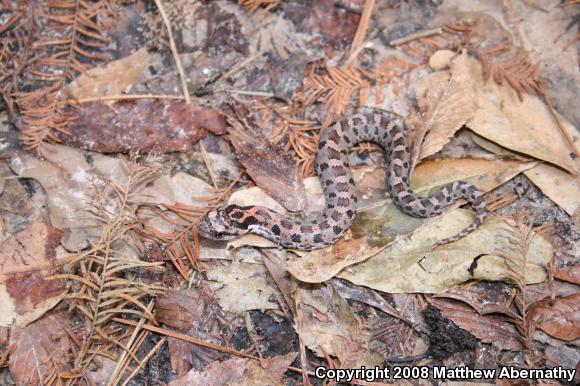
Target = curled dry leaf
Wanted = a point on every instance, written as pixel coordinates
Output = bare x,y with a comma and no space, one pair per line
569,274
25,262
160,125
446,102
489,328
112,79
42,350
270,167
560,318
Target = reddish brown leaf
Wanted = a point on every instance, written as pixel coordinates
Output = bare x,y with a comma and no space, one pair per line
489,328
230,371
188,311
26,293
239,371
271,168
41,350
569,274
159,125
561,319
182,309
335,25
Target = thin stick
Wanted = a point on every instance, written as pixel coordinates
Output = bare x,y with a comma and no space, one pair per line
415,36
563,130
145,359
174,51
208,165
128,96
252,93
193,340
361,30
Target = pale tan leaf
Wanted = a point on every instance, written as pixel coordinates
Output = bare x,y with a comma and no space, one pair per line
561,187
444,108
112,79
525,127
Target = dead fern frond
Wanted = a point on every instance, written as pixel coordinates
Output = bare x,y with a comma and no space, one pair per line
182,240
297,134
512,65
254,5
103,291
43,46
334,87
520,237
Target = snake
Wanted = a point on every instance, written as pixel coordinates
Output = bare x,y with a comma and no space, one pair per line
324,228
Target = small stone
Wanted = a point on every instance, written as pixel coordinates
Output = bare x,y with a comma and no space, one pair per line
441,59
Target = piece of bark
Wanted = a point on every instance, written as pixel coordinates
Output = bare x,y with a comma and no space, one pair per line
160,125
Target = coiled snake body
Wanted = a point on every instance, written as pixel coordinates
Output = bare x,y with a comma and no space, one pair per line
325,228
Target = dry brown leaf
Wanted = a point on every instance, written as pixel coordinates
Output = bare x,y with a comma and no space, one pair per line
489,329
446,103
25,259
239,372
328,326
190,312
114,78
408,265
561,319
41,350
142,124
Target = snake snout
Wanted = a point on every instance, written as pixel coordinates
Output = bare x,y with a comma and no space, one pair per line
214,225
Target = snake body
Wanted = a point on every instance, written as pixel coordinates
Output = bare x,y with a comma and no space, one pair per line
326,227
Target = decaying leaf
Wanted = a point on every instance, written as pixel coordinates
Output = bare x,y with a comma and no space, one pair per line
70,183
25,262
190,312
41,350
160,125
383,223
112,79
408,266
328,326
488,328
445,104
238,371
270,167
241,287
560,318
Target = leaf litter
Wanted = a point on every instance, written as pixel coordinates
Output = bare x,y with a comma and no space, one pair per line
121,231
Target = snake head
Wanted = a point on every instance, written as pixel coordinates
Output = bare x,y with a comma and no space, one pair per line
218,225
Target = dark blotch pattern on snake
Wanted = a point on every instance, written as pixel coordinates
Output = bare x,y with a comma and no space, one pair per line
325,228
